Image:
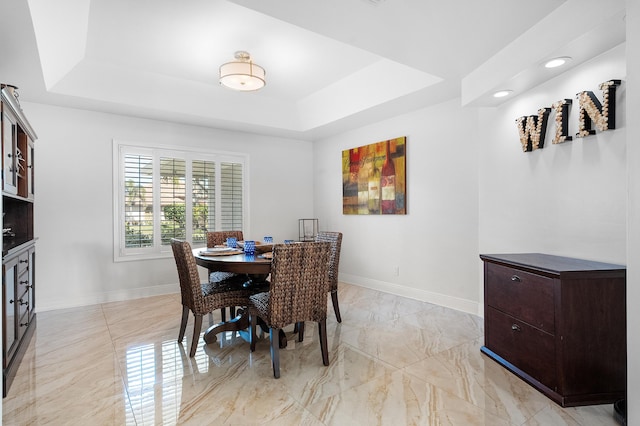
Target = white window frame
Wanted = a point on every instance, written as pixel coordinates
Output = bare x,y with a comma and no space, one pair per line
122,148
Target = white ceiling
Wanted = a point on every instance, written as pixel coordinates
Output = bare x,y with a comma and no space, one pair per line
331,64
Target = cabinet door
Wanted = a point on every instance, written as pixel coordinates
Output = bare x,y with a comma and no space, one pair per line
9,135
23,291
32,281
528,348
30,170
9,329
528,297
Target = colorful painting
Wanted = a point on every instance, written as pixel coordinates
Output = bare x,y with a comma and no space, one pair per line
374,178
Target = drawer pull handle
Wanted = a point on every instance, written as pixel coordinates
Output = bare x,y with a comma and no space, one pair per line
23,261
515,278
515,327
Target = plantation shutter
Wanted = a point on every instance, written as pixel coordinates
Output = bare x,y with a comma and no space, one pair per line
138,201
172,199
231,176
163,193
203,199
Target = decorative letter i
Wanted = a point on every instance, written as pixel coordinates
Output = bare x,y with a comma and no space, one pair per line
562,121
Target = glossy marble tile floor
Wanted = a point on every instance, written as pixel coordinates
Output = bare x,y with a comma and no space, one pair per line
393,361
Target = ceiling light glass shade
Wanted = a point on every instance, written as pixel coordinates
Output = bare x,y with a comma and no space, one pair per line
502,93
242,74
557,62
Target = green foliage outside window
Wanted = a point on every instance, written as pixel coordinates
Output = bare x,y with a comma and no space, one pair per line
174,223
200,222
135,237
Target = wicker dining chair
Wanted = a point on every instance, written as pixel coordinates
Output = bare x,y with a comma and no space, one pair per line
297,293
219,238
335,238
203,298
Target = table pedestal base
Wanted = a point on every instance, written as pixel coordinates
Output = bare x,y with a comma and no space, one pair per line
240,324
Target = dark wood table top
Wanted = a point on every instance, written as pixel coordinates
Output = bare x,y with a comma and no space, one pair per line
236,263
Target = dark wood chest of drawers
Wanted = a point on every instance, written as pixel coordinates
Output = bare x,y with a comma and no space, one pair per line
558,323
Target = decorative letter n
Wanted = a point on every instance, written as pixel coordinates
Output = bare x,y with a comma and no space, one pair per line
602,115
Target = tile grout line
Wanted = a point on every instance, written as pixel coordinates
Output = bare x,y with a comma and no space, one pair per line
115,356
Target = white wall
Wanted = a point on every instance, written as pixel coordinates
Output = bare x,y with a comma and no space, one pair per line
472,190
580,198
633,216
567,199
435,244
74,203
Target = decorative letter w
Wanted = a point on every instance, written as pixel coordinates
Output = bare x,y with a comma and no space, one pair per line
532,130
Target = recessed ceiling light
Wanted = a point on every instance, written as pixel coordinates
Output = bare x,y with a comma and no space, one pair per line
557,62
502,93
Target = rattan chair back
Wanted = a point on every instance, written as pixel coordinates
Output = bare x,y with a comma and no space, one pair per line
190,286
335,238
218,238
299,283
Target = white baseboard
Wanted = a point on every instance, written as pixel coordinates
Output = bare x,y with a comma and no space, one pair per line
109,296
452,302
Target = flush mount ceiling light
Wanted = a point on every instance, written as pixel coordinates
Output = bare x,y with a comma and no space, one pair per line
242,74
502,93
557,62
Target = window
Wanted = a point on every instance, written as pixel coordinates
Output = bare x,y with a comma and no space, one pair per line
167,193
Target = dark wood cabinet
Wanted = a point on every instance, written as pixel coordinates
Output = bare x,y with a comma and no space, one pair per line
18,241
18,279
558,323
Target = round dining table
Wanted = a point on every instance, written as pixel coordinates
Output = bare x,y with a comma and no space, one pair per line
240,263
256,267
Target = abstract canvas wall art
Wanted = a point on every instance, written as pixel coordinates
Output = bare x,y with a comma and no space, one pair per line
374,178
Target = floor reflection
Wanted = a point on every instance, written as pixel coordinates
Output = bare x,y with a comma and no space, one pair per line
392,361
